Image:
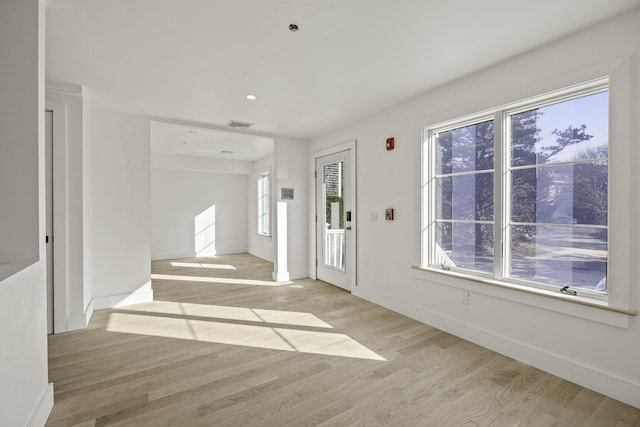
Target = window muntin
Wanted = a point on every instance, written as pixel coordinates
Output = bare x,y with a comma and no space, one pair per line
549,196
264,191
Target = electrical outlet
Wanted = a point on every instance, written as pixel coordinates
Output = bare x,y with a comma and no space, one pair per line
464,297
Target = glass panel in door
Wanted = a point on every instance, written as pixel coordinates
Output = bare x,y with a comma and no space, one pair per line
333,196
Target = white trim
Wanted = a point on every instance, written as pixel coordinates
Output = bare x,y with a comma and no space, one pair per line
140,295
43,408
66,88
350,145
66,102
88,313
80,321
161,256
606,383
295,275
280,276
60,213
259,251
172,255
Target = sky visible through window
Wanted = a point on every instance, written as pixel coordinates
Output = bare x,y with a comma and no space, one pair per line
592,111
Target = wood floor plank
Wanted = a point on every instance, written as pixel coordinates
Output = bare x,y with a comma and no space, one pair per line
225,346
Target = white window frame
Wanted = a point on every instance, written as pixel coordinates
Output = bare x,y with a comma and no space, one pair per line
617,305
263,203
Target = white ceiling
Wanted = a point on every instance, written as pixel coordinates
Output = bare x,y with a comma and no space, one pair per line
196,60
172,138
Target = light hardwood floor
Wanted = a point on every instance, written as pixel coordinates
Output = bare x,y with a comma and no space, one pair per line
223,346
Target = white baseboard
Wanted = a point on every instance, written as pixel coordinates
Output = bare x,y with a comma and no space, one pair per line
262,254
43,408
80,321
610,385
295,275
142,294
231,251
172,255
280,276
192,254
88,313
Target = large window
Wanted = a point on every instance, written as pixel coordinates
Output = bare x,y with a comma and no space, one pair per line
264,190
520,194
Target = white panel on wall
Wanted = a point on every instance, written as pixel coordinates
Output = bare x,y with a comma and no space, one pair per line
197,213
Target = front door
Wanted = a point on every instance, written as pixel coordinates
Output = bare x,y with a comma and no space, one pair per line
335,220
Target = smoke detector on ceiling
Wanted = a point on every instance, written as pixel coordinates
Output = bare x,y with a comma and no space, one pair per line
239,125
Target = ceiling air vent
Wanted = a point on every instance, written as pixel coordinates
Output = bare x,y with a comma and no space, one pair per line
239,125
227,152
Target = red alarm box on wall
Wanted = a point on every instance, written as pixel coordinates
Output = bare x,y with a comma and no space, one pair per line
391,144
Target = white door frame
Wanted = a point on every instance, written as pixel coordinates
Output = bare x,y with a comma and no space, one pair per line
350,145
59,215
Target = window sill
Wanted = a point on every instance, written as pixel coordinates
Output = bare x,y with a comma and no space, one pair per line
582,307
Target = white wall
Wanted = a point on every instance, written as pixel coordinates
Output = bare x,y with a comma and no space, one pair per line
259,245
119,178
291,159
597,355
25,396
178,197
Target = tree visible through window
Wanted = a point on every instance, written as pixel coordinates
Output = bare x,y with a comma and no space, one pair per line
464,196
528,204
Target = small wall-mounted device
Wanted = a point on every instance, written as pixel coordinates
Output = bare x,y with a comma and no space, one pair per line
388,214
391,144
286,193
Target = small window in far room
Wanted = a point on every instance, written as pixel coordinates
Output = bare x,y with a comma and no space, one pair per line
264,217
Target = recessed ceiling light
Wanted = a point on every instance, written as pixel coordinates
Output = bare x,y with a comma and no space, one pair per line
293,28
251,97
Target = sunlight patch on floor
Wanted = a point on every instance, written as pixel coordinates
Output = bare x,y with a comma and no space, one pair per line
222,280
302,341
202,265
230,313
